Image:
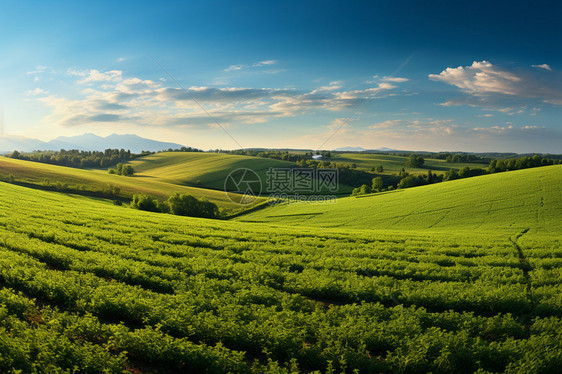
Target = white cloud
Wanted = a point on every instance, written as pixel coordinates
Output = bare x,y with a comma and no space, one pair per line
336,85
494,129
112,98
265,63
394,79
542,66
235,67
386,124
35,92
109,98
38,70
89,76
490,85
386,86
259,64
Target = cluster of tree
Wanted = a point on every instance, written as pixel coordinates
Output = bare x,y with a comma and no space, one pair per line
178,204
279,155
463,157
347,172
524,162
183,149
450,157
77,159
126,170
415,161
325,164
465,172
402,180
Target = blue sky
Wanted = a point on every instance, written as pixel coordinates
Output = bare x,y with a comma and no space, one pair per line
435,75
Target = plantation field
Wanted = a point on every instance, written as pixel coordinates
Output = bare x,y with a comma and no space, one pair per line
207,170
504,202
393,164
37,173
105,289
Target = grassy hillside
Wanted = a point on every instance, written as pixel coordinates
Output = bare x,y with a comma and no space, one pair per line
89,285
393,164
208,170
35,172
514,200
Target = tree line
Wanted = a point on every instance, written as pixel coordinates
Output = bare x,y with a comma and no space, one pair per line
77,159
278,155
182,149
524,162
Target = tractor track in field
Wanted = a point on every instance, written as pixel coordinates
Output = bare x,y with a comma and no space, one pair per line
524,261
526,267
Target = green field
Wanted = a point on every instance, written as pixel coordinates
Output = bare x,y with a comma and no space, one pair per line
34,172
462,276
506,202
208,170
393,164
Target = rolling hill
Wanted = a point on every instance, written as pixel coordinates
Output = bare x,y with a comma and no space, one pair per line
39,173
511,201
208,170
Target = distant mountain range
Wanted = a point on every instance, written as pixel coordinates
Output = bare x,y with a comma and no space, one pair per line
361,149
85,142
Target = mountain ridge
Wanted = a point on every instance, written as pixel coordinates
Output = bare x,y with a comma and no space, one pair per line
85,142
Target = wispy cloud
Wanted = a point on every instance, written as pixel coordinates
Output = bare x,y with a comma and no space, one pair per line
386,124
38,70
394,79
110,97
488,84
265,63
89,76
256,65
235,67
543,66
36,91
